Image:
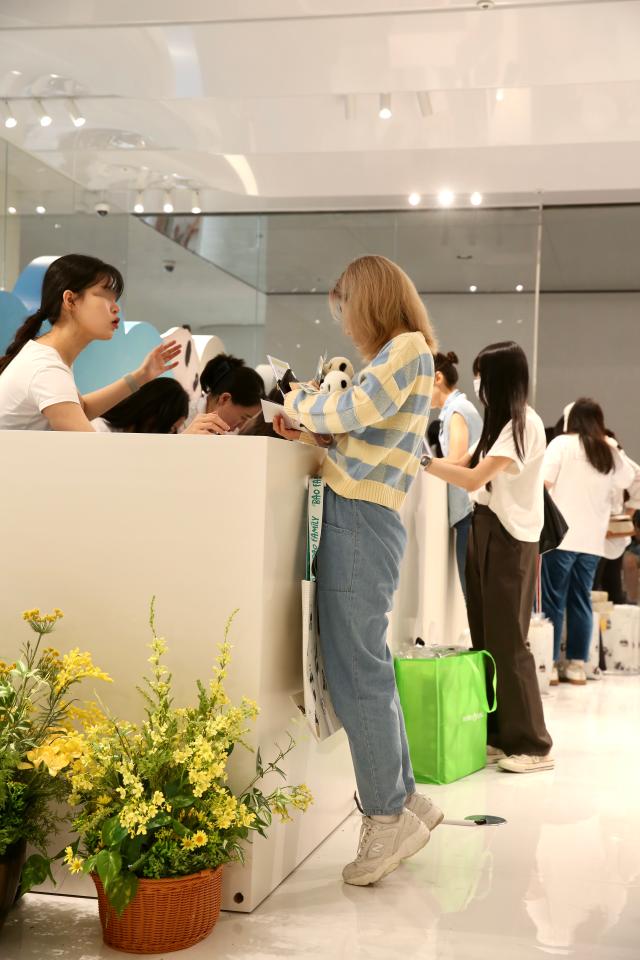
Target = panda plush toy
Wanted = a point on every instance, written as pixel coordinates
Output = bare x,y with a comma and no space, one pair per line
334,381
341,365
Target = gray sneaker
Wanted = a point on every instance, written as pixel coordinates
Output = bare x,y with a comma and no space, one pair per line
425,809
383,846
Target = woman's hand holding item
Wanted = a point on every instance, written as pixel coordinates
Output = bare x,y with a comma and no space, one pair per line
320,439
158,361
208,423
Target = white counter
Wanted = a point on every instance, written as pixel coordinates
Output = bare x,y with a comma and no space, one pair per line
97,524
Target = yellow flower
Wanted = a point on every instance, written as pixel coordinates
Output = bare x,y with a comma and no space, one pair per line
199,838
75,866
78,666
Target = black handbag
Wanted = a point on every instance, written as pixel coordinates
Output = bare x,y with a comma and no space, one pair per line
555,526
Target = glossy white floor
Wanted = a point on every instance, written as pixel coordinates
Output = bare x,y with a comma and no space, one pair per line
562,877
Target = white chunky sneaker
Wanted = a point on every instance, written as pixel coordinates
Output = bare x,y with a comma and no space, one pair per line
575,673
425,810
523,763
494,755
383,846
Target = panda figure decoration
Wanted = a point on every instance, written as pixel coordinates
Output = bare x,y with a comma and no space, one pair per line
335,381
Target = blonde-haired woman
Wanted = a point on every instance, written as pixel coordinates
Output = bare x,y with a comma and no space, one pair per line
378,426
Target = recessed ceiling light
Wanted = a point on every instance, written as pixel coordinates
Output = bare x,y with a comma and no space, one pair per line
76,115
475,199
298,346
16,73
316,321
45,119
499,322
473,288
499,94
519,288
54,76
11,210
9,119
138,206
41,209
195,206
414,199
385,106
167,205
446,197
57,226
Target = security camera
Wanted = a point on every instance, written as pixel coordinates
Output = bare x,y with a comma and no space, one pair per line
169,265
102,209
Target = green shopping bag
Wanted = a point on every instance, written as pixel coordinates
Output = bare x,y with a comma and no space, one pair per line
445,707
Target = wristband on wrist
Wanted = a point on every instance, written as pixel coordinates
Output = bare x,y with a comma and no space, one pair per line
131,382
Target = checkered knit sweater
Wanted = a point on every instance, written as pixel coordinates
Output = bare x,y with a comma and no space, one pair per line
379,423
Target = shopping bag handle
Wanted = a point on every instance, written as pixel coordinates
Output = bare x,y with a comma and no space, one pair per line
492,709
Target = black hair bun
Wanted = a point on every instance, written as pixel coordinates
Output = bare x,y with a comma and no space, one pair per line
452,357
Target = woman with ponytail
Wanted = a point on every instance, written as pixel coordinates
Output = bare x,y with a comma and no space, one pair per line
231,392
460,429
80,301
583,470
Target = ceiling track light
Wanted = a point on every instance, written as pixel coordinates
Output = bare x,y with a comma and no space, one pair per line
40,209
11,210
9,119
138,206
45,119
475,199
385,106
414,199
77,117
349,103
195,202
424,102
167,202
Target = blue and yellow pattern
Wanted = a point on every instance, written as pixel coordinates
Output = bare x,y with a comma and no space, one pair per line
379,423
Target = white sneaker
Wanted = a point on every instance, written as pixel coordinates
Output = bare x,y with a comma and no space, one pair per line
596,674
383,846
523,763
575,673
555,679
425,810
494,755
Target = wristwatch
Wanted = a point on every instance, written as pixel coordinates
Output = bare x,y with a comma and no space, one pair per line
426,461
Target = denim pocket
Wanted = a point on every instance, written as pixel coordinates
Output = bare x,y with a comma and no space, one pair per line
336,559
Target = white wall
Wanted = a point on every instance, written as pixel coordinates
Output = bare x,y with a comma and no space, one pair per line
590,346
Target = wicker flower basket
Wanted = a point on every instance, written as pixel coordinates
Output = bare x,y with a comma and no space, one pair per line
164,915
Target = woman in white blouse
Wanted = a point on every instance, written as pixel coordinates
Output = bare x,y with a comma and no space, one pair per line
583,470
37,390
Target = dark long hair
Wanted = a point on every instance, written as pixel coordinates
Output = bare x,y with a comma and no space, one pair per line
587,420
154,408
74,272
504,390
227,374
446,364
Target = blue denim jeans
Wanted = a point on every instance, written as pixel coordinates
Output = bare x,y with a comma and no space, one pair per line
358,565
567,581
462,528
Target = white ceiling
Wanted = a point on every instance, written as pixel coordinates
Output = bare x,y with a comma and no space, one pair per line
246,99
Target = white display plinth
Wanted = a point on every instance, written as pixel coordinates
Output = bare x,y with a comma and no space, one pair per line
97,524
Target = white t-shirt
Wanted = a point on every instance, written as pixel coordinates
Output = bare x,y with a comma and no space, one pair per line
100,425
34,380
517,493
582,494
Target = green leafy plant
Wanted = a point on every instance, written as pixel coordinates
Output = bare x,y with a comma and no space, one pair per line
38,741
153,798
